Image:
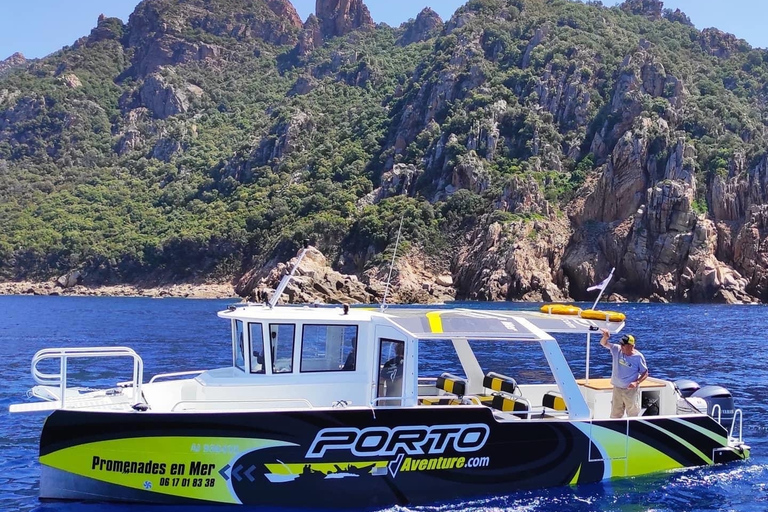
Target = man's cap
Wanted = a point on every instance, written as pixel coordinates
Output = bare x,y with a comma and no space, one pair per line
627,339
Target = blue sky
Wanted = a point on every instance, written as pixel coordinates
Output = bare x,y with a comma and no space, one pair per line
39,27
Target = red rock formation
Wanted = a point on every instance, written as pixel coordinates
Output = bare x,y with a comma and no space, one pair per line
17,59
340,17
311,36
285,11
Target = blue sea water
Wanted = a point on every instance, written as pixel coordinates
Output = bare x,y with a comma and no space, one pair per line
712,344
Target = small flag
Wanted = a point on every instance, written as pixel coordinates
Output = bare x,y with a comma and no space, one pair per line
603,284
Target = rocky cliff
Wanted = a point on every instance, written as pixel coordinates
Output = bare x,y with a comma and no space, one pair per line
340,17
15,60
517,151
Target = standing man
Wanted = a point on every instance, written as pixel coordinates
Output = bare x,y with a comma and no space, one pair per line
629,370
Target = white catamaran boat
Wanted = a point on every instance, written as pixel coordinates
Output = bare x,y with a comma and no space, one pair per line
326,407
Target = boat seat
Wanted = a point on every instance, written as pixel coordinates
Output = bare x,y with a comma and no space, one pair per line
452,384
554,400
486,400
440,400
498,382
515,404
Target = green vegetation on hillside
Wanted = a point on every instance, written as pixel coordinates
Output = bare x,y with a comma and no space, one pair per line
267,146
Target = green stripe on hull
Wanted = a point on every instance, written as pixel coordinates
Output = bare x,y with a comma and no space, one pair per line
626,456
694,449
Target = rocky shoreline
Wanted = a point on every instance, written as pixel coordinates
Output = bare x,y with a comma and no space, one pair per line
314,281
183,290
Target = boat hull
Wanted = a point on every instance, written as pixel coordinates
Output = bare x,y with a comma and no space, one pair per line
353,458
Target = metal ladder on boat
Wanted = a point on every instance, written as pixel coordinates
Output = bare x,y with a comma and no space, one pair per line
54,380
717,412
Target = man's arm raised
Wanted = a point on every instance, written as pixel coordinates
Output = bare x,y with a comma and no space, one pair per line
604,339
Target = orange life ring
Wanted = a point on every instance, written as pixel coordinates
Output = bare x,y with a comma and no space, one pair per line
560,309
605,316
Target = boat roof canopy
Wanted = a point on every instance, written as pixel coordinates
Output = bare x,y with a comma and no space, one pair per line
493,324
436,323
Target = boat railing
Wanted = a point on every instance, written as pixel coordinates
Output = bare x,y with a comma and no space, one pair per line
174,374
716,409
736,413
65,354
387,401
303,401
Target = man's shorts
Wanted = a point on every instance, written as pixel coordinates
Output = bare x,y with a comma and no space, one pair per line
628,399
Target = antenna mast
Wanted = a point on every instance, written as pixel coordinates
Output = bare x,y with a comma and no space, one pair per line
287,278
392,264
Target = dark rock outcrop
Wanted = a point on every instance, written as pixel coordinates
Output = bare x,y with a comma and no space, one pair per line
426,26
677,16
161,32
107,29
718,43
131,137
161,98
642,77
285,137
311,36
732,196
651,9
514,260
71,279
400,181
751,251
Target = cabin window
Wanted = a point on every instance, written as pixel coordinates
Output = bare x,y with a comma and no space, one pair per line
239,349
281,338
329,348
257,348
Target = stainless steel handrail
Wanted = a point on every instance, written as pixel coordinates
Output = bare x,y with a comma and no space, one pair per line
64,354
737,412
719,410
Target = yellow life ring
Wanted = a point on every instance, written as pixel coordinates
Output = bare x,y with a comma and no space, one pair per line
605,316
560,309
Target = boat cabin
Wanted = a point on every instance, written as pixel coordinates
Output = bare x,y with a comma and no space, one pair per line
316,357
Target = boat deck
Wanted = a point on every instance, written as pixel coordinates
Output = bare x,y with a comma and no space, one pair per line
92,401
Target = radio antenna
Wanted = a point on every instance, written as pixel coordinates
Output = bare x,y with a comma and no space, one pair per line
287,278
392,264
